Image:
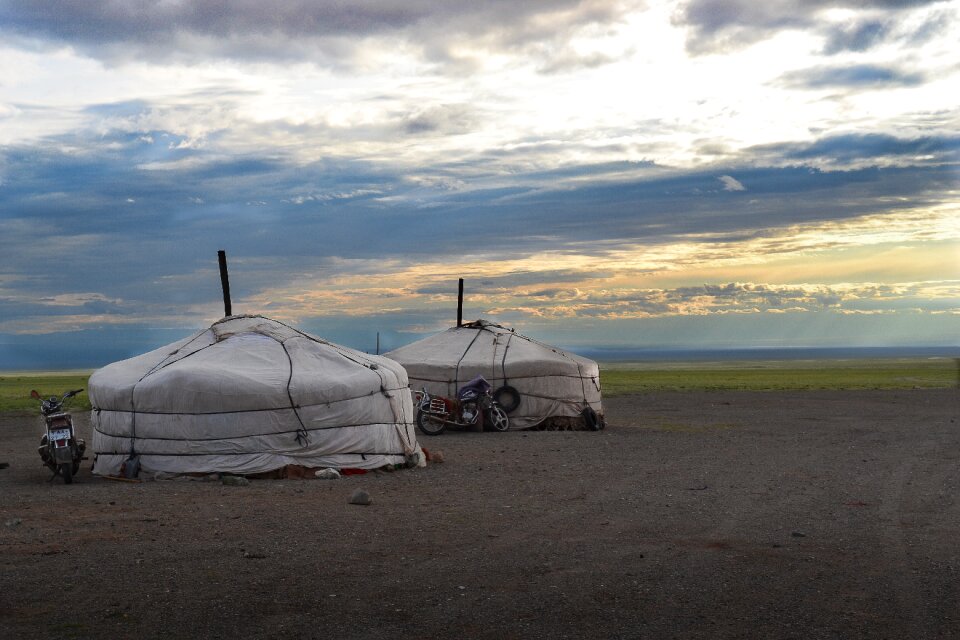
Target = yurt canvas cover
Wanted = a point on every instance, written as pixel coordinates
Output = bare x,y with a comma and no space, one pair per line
251,395
552,383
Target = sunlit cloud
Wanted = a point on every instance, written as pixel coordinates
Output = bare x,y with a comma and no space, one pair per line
731,184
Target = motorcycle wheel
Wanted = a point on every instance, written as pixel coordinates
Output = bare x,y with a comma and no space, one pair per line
498,418
430,425
66,472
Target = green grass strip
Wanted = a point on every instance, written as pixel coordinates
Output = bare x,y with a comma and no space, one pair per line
624,378
629,377
15,390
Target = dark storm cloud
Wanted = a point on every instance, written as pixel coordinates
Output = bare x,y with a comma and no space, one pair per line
867,148
107,188
865,33
47,182
126,228
866,76
441,120
858,36
717,25
291,29
129,227
130,20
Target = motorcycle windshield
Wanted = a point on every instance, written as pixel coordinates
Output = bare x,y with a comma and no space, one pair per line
474,388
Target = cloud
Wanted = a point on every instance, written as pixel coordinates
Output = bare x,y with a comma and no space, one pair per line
865,76
22,312
521,282
869,31
723,25
736,298
571,60
731,184
856,36
355,209
856,149
323,32
447,119
9,111
372,236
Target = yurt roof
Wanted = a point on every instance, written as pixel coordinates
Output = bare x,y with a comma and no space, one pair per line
550,382
240,363
521,351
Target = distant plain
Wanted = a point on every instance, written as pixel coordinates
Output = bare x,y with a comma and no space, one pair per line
626,377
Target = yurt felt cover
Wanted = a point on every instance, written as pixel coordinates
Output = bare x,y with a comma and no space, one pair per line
551,382
250,395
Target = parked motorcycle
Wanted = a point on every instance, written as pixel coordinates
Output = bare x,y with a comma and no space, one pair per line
474,406
60,448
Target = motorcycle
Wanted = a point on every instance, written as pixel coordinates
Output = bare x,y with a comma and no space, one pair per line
474,406
60,448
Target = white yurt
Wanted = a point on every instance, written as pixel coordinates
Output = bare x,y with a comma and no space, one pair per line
251,395
539,385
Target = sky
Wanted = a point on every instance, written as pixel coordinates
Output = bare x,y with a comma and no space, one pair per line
602,173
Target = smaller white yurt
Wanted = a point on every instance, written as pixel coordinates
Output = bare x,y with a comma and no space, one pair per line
538,385
251,395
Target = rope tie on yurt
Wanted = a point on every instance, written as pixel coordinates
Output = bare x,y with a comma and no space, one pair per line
456,373
373,367
186,454
396,408
303,436
583,388
165,361
560,353
250,436
503,361
263,410
311,338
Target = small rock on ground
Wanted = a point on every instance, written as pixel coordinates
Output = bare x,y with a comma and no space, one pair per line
360,497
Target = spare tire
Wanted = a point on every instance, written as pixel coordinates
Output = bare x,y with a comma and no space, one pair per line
507,397
590,419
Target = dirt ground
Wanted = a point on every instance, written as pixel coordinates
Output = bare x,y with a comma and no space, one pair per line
693,515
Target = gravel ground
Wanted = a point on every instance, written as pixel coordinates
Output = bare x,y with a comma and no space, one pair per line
693,515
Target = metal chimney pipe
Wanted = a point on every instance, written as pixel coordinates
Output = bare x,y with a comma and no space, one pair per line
225,283
460,305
